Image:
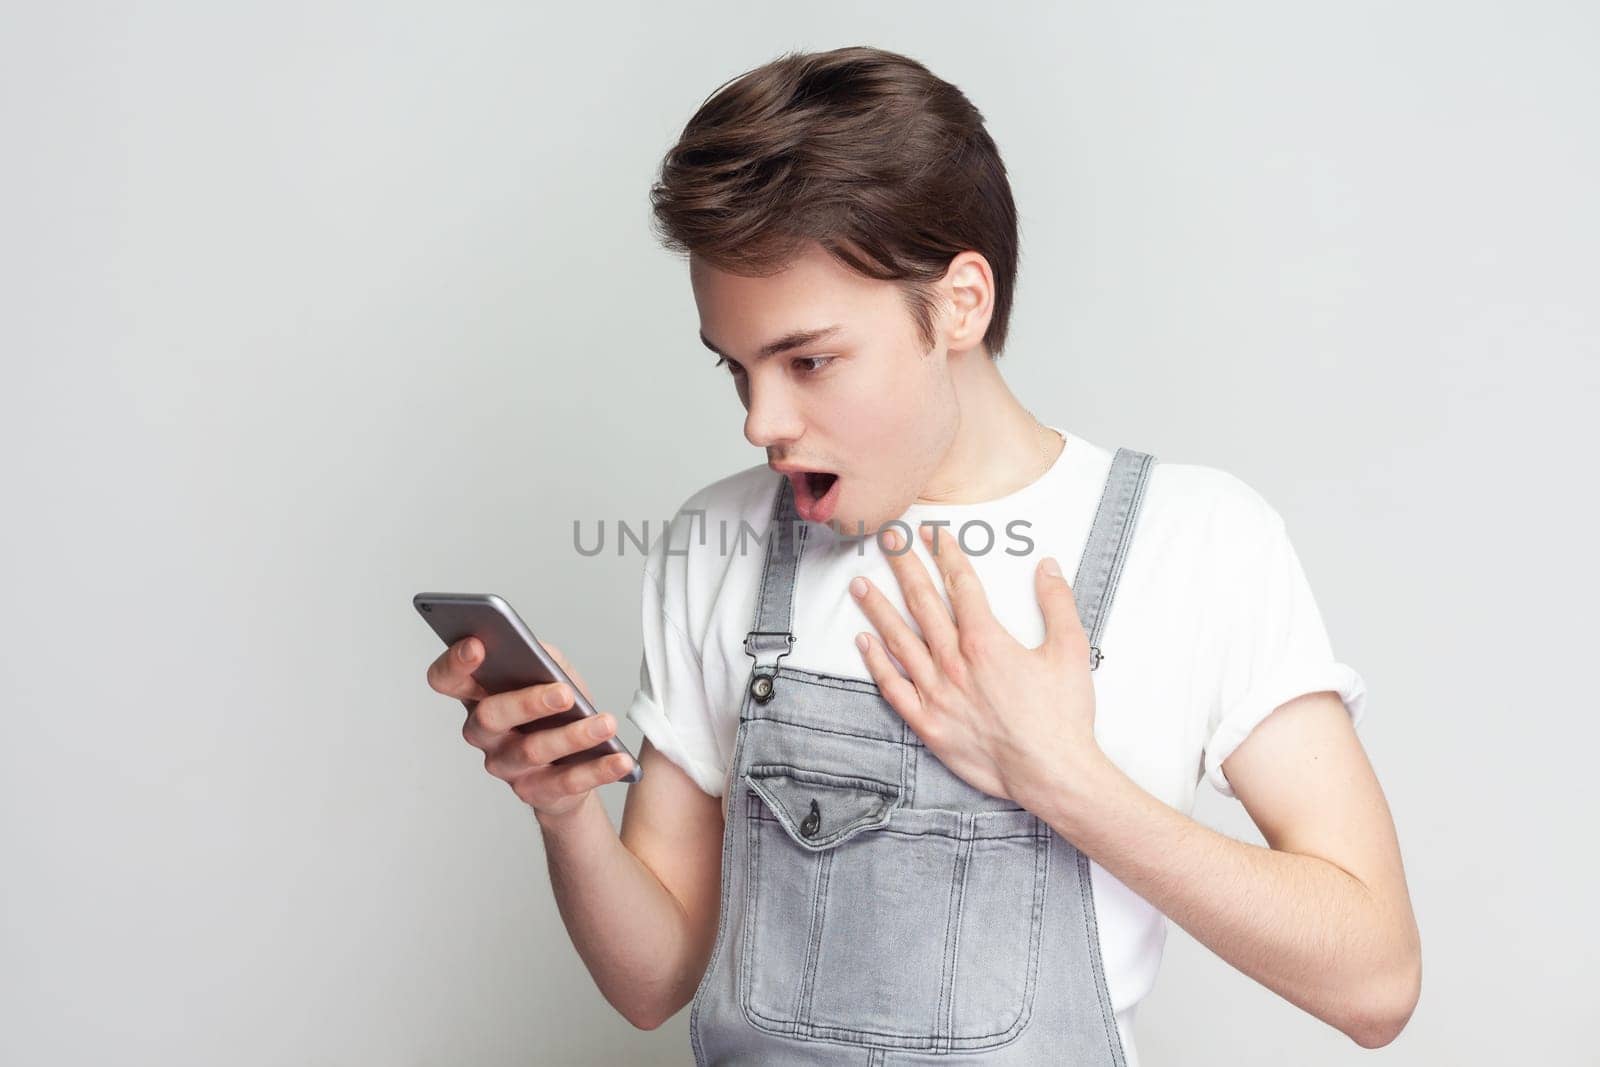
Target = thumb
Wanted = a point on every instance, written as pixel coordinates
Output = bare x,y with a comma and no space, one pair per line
1062,627
572,672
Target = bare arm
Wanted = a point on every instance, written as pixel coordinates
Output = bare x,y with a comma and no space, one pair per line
641,907
1322,917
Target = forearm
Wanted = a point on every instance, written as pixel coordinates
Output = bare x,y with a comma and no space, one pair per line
1299,925
630,932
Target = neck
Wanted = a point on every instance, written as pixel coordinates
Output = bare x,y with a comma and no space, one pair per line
998,447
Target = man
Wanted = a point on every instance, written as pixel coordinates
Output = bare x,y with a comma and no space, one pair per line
962,834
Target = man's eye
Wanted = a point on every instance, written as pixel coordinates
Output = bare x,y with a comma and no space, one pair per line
807,363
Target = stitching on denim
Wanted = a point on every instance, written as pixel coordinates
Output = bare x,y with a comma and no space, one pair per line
1111,542
1129,528
935,1042
909,777
1041,880
834,681
765,816
798,1004
822,929
824,681
785,551
966,1043
839,837
769,717
822,778
1041,886
750,920
785,818
1090,558
926,1044
964,861
819,905
766,562
792,563
719,945
1102,993
939,1024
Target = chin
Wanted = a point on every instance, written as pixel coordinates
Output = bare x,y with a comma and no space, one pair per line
851,523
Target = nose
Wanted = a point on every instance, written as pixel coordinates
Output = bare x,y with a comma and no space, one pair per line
770,419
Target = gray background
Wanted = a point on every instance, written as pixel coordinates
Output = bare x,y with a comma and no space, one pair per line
307,307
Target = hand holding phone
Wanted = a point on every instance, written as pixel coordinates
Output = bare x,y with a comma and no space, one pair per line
527,708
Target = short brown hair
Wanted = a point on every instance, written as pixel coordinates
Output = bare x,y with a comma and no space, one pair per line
864,151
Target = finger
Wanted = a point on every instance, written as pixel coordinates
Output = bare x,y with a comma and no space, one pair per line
474,733
922,600
571,671
517,753
907,647
486,729
546,785
901,694
1063,629
506,711
451,672
968,601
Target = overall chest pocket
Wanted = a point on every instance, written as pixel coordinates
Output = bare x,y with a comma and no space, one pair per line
872,923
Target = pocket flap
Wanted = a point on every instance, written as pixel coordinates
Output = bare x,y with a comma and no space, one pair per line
819,811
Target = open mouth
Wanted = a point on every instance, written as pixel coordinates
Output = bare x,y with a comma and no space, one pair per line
816,494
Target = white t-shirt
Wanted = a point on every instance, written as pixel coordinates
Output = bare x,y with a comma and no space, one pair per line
1212,627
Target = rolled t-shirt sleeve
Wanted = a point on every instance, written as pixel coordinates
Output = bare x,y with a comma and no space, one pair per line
1272,645
670,705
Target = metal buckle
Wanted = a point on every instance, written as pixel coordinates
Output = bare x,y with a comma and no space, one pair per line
767,633
762,679
1094,657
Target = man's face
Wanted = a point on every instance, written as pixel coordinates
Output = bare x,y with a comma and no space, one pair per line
863,402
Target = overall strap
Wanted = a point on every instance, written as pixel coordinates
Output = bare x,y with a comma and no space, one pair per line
1095,585
771,639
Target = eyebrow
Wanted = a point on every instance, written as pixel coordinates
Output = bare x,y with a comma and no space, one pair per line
787,343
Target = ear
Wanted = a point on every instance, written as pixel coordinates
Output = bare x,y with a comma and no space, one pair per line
968,289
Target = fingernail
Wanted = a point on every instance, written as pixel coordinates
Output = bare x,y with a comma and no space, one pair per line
599,727
1051,567
466,651
553,698
861,642
858,586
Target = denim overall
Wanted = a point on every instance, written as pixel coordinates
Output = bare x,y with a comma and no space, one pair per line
875,908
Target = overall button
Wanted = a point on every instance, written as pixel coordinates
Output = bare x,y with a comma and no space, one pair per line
761,687
812,823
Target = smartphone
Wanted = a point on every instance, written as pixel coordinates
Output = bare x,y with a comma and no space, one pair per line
513,659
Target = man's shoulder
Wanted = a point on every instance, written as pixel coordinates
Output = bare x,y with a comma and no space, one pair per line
1195,500
1188,497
